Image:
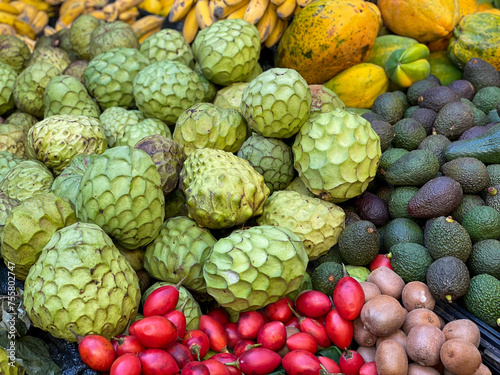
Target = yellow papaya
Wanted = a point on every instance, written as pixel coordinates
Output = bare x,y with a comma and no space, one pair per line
443,68
423,20
359,85
385,45
467,7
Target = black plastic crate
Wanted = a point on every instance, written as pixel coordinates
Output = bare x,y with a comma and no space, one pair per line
490,338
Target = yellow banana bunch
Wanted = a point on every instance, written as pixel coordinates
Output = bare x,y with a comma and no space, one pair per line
286,9
203,14
190,27
268,22
146,26
180,9
255,10
275,35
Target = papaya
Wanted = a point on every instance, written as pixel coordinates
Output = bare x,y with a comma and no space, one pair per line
467,7
407,66
359,85
385,45
327,37
443,68
423,20
477,35
439,45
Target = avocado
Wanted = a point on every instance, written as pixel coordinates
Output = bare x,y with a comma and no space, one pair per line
401,230
438,197
333,255
389,106
385,131
468,201
486,147
385,192
493,116
492,197
402,96
435,143
483,299
494,174
418,88
481,73
410,111
473,132
487,98
433,78
359,243
448,278
398,203
413,169
453,119
426,117
372,116
388,157
408,133
480,118
446,237
463,88
482,223
470,173
436,98
325,277
372,208
410,261
485,258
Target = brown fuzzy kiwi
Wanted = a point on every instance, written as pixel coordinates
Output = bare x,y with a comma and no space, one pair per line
367,352
391,358
463,329
416,369
416,295
424,343
370,290
460,356
383,315
482,370
420,316
361,335
388,281
399,336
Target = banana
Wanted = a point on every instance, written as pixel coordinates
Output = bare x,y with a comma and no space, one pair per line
151,6
49,31
255,10
148,34
23,28
7,29
275,36
72,13
296,10
233,3
145,24
95,4
180,9
66,5
28,14
203,15
7,18
166,6
238,13
41,5
129,15
303,3
286,9
221,10
123,5
190,27
39,22
111,12
268,22
98,13
60,25
29,42
9,8
277,2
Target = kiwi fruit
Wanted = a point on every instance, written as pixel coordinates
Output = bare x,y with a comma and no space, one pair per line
370,290
361,335
416,295
416,369
482,370
399,336
424,343
460,356
382,315
420,316
391,358
388,281
367,352
462,329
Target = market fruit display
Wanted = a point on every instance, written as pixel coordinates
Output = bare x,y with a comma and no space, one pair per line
177,196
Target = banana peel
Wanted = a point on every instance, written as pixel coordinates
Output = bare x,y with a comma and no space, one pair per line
407,66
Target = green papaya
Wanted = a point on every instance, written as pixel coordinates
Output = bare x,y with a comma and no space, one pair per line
385,45
407,66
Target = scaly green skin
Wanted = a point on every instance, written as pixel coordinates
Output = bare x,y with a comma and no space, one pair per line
8,78
7,162
209,87
114,118
56,140
205,125
66,95
179,251
109,76
242,196
15,52
80,35
272,158
227,51
230,96
29,84
253,267
53,55
165,89
276,103
298,185
81,282
483,299
167,156
130,134
317,223
66,184
109,35
192,310
7,204
120,191
167,44
29,227
13,140
336,154
24,120
26,178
